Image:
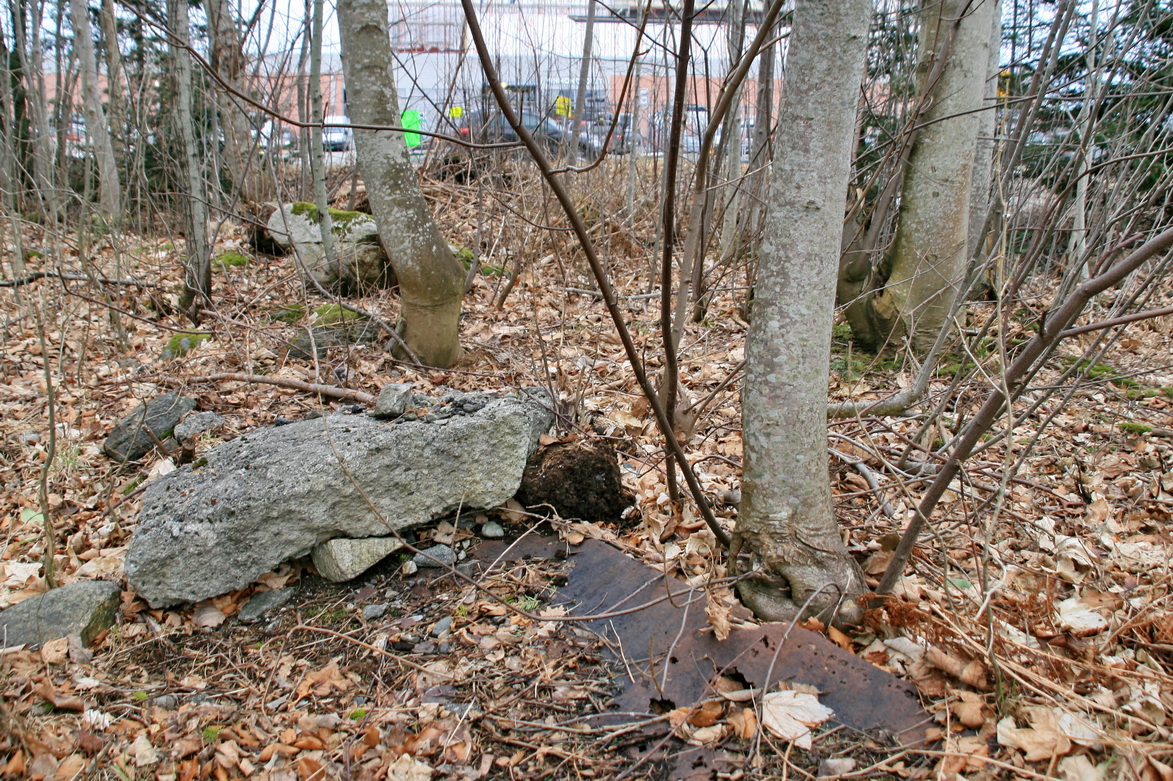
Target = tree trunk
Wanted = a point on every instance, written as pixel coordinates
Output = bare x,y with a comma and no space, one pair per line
584,72
983,164
29,53
431,279
197,283
109,189
228,61
929,252
317,151
787,523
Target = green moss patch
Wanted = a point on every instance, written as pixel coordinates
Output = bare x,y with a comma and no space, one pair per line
1135,428
340,218
336,314
182,343
230,260
288,314
465,256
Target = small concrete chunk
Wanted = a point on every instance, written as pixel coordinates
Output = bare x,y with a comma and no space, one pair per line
195,424
492,531
393,401
372,612
435,557
345,558
262,603
135,435
442,627
84,608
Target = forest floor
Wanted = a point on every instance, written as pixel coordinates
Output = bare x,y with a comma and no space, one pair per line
1035,619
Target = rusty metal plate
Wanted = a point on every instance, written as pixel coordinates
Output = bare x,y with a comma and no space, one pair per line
670,661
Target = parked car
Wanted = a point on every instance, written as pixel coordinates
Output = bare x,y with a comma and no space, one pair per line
622,139
337,139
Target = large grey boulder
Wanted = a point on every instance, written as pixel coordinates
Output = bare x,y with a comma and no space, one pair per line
136,434
361,261
84,609
219,523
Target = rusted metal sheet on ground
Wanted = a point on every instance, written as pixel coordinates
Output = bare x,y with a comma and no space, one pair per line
671,661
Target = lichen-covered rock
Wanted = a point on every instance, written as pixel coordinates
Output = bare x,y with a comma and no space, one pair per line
182,343
84,609
195,424
394,400
221,522
345,558
361,262
316,341
135,435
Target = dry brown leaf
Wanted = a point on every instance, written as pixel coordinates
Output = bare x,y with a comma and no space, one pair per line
789,715
55,651
708,714
839,638
717,608
408,768
971,673
969,709
144,753
1043,740
208,615
744,722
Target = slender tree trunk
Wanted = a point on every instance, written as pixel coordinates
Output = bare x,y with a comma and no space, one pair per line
752,211
115,102
786,522
228,60
317,152
98,131
584,73
431,279
732,138
983,162
197,284
929,252
1077,246
29,52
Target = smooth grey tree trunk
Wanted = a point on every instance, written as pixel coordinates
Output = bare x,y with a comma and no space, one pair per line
431,279
197,283
930,249
228,60
27,44
786,523
584,73
983,162
109,188
317,152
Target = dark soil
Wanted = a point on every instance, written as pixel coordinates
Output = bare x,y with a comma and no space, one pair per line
578,479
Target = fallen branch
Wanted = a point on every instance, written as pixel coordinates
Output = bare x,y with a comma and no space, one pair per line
329,391
33,277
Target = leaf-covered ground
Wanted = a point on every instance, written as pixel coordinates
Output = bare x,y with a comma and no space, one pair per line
1035,618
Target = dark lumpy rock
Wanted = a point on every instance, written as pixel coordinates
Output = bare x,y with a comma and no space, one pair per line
136,434
577,479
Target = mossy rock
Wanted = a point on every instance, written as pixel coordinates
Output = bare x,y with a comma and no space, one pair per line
304,347
288,314
340,218
1135,428
230,260
182,343
335,314
465,256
